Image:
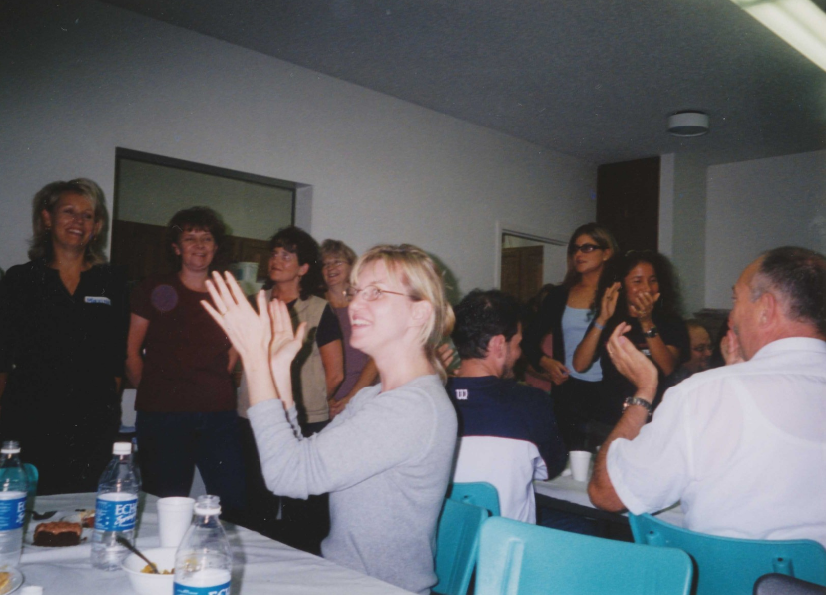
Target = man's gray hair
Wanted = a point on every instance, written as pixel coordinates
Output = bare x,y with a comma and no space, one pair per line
798,276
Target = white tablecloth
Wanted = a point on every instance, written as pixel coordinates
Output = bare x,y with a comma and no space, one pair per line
260,566
576,492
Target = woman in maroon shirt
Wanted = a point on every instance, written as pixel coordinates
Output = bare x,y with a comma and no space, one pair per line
181,365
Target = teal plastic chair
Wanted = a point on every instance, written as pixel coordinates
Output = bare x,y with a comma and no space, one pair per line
457,544
478,493
520,559
730,566
780,584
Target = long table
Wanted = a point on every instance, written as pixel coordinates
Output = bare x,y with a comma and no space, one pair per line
566,494
261,565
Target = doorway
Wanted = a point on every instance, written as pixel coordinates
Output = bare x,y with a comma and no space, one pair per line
530,262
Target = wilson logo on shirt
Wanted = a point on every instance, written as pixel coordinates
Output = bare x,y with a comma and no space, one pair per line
97,299
461,394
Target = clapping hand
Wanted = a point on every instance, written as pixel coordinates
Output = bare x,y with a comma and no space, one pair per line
608,305
265,339
641,305
285,343
730,348
248,330
631,363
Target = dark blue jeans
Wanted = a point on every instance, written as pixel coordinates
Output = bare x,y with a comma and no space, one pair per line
170,445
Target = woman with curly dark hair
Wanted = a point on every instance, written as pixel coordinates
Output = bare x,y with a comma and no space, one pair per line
63,321
295,278
181,365
642,293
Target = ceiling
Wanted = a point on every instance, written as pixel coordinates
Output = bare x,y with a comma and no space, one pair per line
591,78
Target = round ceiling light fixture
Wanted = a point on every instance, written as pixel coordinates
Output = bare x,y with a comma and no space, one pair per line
688,124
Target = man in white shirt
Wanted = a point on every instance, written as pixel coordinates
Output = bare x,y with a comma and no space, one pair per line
742,447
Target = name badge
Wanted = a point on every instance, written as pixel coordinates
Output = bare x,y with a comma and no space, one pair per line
94,299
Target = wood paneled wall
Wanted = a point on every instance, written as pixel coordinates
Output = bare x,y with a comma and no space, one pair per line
628,202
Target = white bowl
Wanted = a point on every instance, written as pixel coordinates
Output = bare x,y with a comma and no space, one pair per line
151,584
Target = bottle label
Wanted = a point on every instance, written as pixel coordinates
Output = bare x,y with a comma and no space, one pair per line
116,511
12,510
214,590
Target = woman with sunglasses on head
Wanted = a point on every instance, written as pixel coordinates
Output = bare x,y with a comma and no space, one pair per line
567,313
337,260
63,321
645,297
386,458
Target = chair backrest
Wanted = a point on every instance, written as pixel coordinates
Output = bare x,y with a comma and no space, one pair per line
478,493
780,584
457,544
517,558
731,566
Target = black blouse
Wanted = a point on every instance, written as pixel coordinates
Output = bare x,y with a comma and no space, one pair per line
62,350
616,388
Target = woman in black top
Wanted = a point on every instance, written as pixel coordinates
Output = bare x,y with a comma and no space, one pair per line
63,322
645,297
566,313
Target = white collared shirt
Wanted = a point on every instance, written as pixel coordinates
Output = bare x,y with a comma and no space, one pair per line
743,448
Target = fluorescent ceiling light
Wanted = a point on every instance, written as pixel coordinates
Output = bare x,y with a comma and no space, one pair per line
798,22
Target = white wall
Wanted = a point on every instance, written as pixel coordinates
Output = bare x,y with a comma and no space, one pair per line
756,205
82,78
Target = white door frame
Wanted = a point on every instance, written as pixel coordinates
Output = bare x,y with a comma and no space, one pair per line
521,231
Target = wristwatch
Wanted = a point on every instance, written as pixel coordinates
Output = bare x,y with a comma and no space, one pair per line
652,332
637,401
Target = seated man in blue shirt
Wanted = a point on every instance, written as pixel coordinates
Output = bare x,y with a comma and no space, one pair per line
508,434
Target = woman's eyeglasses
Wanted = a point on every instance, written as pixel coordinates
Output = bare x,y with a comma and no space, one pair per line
331,264
584,248
370,293
282,255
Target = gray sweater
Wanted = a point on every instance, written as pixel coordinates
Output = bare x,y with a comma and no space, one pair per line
386,462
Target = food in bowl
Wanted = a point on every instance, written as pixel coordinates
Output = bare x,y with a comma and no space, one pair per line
148,570
149,583
57,534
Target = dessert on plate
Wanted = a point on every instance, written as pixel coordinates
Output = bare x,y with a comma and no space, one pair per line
57,534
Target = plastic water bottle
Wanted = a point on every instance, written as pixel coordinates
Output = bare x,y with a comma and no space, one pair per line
203,564
13,491
117,508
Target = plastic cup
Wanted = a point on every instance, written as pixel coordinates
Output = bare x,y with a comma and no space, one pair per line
174,518
580,464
